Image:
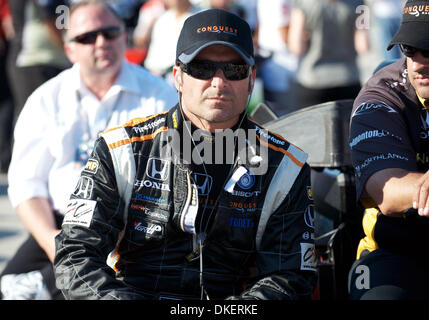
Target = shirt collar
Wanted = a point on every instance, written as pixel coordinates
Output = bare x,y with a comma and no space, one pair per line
126,80
424,102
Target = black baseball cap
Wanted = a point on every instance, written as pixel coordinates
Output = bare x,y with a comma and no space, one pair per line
214,26
414,29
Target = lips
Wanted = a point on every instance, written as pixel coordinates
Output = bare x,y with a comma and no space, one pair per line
423,80
103,53
218,98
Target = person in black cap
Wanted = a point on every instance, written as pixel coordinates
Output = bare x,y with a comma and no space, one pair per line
389,140
174,220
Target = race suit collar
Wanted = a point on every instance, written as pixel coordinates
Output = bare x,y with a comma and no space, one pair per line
424,102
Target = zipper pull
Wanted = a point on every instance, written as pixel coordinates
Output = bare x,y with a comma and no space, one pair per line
195,254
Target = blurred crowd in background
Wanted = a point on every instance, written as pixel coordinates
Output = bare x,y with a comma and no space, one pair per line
306,50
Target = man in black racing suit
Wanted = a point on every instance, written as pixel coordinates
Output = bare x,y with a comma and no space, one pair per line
172,223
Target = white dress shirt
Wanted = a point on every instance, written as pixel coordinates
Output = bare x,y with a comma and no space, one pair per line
62,115
161,54
279,70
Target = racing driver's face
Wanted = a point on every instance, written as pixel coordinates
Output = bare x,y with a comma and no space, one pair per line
214,103
418,73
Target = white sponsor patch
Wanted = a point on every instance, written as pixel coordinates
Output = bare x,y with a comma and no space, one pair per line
308,257
191,213
229,187
367,108
79,212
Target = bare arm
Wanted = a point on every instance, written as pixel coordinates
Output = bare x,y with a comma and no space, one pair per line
38,218
297,35
7,27
284,33
141,36
361,41
396,190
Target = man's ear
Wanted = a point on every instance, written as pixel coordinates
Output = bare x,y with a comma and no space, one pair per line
252,81
177,75
69,50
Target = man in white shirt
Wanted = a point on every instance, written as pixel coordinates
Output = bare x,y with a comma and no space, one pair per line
278,70
56,130
162,48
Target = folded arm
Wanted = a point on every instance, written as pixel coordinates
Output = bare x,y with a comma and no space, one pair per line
397,190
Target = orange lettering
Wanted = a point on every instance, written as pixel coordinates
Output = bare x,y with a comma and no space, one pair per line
137,207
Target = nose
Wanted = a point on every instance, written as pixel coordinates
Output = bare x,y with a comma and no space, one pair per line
219,80
419,61
100,40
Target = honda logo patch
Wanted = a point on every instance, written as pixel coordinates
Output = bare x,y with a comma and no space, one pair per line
309,216
84,188
204,183
158,169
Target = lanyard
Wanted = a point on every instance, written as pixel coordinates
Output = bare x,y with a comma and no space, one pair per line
84,116
86,144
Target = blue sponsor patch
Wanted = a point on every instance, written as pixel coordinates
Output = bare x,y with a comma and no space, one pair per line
140,196
244,223
246,181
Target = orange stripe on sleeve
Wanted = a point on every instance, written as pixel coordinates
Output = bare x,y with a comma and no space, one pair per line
136,121
285,152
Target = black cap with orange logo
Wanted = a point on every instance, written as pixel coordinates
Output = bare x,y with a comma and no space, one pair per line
414,29
214,26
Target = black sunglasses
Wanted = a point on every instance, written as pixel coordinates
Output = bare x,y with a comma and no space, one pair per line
205,70
109,33
410,51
